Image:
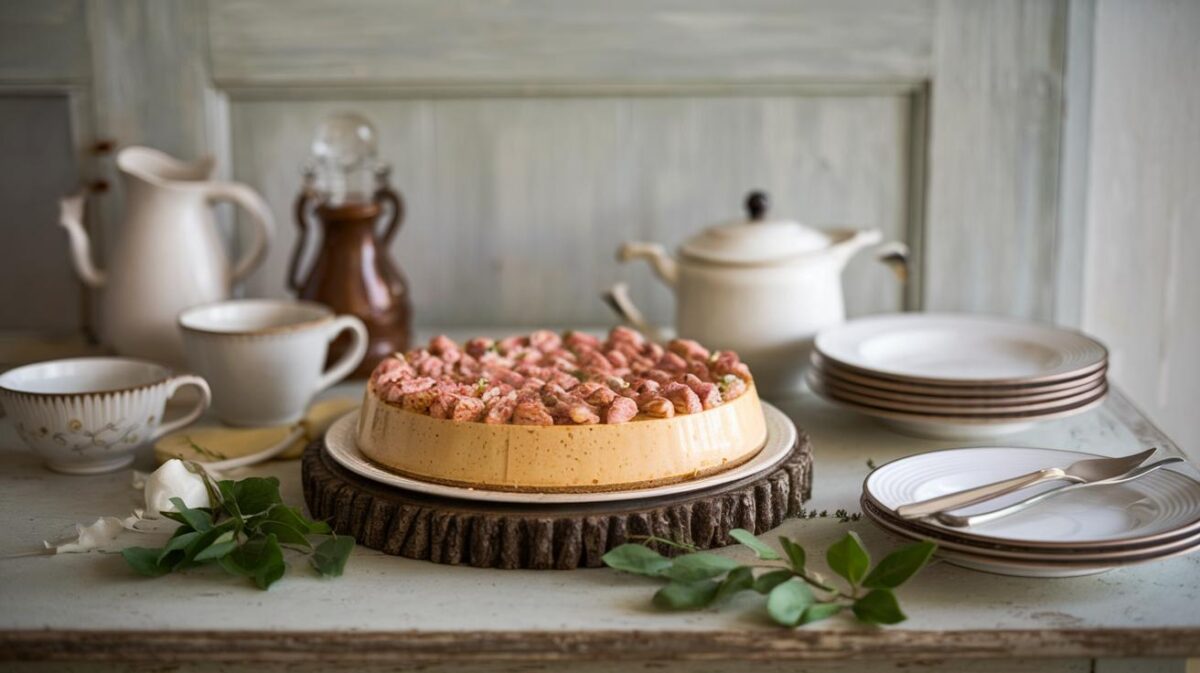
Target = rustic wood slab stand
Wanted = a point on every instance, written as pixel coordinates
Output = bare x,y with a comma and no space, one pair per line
560,537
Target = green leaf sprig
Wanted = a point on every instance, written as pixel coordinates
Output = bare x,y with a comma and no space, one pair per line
795,594
245,532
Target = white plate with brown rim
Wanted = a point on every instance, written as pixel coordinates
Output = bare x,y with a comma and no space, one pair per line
1155,509
953,394
959,349
951,406
958,427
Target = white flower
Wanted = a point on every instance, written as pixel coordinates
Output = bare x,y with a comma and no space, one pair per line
174,480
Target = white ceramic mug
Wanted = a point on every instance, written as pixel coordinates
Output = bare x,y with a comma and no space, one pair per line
89,415
265,358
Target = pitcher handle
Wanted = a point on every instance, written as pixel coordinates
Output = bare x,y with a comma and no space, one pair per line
260,214
352,357
173,386
70,217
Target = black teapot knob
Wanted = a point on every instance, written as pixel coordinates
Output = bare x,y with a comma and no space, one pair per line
757,203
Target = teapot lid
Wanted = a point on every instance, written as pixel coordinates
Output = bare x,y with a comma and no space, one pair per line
755,240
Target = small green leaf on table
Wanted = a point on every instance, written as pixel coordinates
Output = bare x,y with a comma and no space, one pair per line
686,595
820,611
329,558
698,566
787,602
637,559
848,558
878,606
145,561
898,566
795,553
760,548
259,559
765,582
739,579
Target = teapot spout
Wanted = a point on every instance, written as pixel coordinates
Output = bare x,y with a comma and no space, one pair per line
664,267
71,219
849,247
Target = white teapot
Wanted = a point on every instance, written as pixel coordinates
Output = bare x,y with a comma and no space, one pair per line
760,287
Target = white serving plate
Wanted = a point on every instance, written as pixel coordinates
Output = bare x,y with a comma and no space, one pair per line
1151,510
958,408
959,427
1045,566
954,396
957,349
342,447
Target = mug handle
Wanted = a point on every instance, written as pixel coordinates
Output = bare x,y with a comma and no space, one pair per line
173,386
352,357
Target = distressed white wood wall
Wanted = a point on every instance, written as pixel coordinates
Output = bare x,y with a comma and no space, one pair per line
517,205
825,102
1142,287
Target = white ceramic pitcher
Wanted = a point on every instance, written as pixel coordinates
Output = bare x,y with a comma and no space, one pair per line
168,254
761,287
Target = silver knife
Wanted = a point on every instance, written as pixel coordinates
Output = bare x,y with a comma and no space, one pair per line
1092,469
963,521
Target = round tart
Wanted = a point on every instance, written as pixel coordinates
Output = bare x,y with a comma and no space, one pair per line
570,413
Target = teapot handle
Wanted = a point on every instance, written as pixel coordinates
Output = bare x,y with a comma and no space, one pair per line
395,216
302,210
260,214
617,298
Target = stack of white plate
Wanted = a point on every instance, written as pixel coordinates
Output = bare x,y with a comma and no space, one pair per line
958,376
1087,531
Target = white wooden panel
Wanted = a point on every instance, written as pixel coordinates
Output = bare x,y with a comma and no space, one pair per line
993,167
540,41
151,87
38,291
43,41
1143,281
516,206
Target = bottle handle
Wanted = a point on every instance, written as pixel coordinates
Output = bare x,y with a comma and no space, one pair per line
395,215
302,210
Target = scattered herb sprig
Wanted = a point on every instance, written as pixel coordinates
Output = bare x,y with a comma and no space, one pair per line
795,594
245,532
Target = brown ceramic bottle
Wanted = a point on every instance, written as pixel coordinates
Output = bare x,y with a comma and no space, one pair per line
352,271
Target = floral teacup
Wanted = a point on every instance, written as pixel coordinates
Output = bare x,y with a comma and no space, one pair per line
90,415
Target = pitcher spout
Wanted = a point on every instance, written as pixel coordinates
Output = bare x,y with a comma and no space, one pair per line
159,168
71,218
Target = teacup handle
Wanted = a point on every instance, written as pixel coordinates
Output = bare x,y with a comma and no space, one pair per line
173,386
352,357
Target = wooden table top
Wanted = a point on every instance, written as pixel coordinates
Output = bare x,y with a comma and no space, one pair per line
389,610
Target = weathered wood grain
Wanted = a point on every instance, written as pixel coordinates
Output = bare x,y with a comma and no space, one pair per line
558,537
994,157
381,42
517,206
1142,288
559,647
44,42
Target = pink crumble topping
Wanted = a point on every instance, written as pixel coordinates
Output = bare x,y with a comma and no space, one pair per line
545,378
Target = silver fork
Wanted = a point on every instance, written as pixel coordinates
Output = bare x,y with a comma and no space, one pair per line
958,521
